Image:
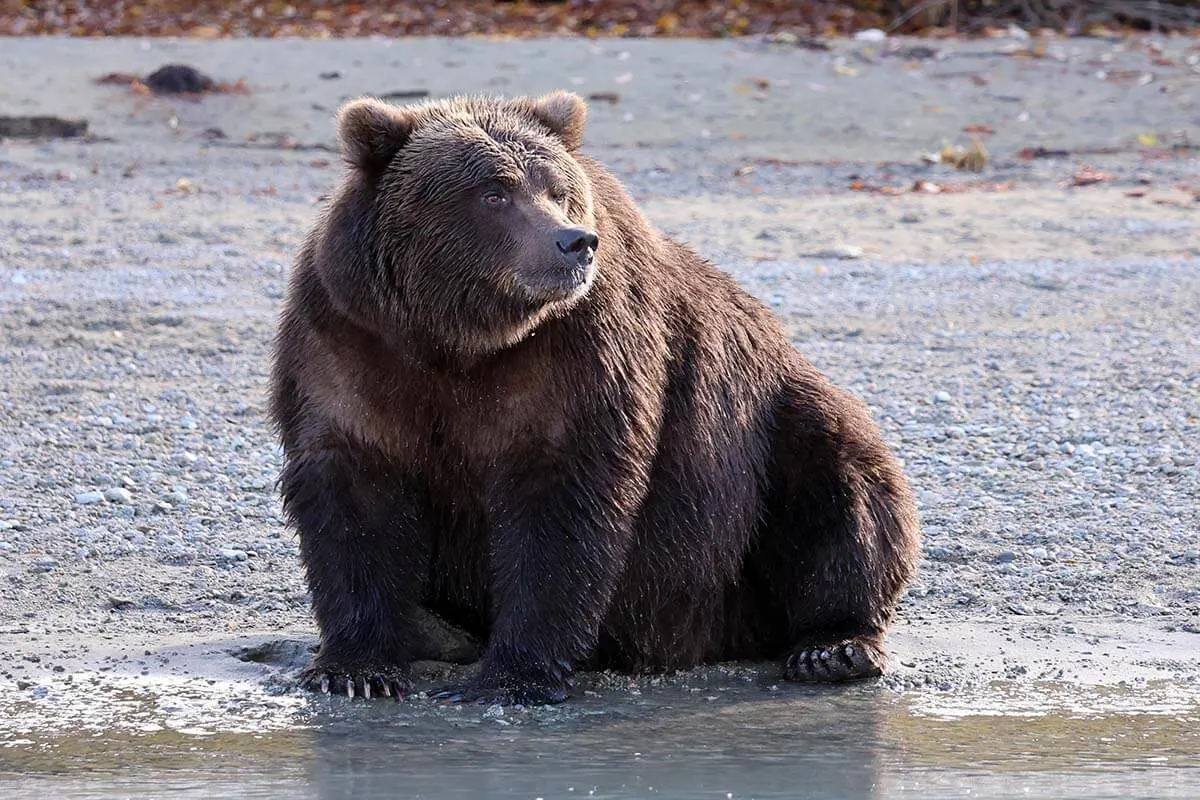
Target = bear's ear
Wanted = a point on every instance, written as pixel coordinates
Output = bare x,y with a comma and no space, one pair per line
371,132
565,114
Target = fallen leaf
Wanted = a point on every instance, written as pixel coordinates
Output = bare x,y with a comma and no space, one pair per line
979,129
971,159
1086,176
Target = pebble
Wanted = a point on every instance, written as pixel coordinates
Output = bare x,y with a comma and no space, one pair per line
870,35
842,252
118,495
232,554
88,498
942,397
43,564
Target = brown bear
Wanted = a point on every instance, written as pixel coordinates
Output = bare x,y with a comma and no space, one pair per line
507,401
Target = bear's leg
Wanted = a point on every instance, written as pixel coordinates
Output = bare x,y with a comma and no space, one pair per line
841,536
559,542
365,545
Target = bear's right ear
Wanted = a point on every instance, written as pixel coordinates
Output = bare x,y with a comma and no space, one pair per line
371,132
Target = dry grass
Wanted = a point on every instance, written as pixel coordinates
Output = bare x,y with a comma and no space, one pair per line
667,18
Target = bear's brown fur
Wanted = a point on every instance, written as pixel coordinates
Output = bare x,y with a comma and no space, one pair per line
506,399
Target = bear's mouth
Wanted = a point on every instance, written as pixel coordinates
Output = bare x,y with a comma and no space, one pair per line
563,284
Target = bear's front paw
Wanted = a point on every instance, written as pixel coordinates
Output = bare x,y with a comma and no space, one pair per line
506,693
364,681
846,660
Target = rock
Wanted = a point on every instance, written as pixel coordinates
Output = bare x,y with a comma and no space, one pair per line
43,564
843,252
870,35
178,79
118,495
232,554
942,397
1006,557
42,127
121,602
88,498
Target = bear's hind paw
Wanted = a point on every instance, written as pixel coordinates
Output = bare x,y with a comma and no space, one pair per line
851,659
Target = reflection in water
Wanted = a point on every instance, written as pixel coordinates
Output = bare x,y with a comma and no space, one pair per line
722,735
749,745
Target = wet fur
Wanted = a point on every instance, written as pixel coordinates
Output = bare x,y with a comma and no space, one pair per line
649,477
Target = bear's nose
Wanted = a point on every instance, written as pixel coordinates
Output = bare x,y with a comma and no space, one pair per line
577,244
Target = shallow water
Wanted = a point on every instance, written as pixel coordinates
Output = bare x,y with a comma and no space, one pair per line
735,736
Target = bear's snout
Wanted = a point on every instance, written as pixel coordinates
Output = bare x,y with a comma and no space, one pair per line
577,246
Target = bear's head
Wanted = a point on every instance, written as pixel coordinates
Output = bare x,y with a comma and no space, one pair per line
464,222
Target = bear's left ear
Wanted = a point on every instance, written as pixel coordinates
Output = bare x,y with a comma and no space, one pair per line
565,114
371,132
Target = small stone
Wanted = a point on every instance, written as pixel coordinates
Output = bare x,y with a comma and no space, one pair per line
870,35
1040,553
118,494
494,711
88,498
1006,557
187,422
232,554
844,252
43,564
121,602
942,397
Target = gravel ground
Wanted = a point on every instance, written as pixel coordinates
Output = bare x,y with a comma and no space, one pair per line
1033,353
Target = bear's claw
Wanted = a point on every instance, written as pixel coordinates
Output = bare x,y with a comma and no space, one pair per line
848,660
367,683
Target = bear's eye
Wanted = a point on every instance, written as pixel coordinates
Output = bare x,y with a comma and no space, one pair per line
558,196
495,197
